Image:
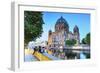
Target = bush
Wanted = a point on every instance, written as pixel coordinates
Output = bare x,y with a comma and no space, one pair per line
70,42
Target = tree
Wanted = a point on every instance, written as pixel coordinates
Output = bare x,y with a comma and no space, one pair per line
74,41
32,25
70,42
83,41
86,40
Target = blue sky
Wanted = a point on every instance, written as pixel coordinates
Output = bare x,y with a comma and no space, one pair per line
82,20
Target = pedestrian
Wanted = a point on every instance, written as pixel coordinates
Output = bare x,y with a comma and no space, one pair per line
35,49
40,49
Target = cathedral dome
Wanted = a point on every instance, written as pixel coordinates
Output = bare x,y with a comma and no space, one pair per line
61,23
61,20
76,30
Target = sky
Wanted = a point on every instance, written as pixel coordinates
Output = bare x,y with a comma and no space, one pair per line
82,20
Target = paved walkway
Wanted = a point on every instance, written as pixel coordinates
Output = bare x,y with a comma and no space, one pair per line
51,56
41,57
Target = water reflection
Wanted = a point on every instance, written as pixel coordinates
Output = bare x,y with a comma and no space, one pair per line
82,55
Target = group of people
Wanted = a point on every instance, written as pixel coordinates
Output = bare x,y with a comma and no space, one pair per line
39,49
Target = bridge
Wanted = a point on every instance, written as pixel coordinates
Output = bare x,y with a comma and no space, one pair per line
78,49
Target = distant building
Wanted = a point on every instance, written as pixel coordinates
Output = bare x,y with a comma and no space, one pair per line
62,33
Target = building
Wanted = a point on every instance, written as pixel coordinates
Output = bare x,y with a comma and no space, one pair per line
62,33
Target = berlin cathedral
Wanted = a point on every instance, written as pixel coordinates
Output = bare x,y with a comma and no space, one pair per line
62,33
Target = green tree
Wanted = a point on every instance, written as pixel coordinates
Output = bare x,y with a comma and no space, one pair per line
83,41
32,25
70,42
74,41
86,40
